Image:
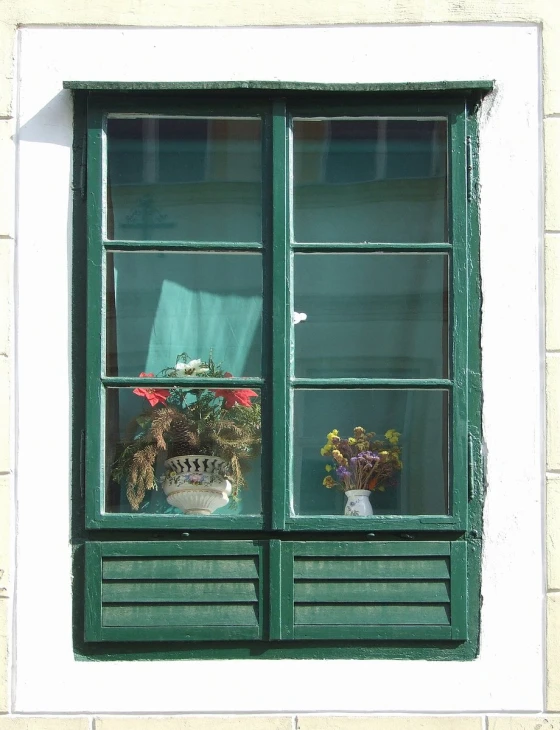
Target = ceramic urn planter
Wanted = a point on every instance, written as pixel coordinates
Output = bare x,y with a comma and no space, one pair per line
196,484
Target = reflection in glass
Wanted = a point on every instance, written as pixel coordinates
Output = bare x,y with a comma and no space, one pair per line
171,178
164,442
161,304
413,426
371,315
378,180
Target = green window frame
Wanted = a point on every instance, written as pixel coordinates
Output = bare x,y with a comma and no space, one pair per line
420,588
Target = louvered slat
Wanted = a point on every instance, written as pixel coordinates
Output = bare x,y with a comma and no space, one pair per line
373,590
174,591
180,592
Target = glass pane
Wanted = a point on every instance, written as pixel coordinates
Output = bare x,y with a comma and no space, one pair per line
183,450
162,304
371,315
378,180
171,179
402,469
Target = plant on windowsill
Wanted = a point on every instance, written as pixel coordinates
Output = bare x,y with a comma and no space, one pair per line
361,464
206,435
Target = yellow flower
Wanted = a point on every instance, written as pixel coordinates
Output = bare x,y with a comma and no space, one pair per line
339,458
359,431
384,453
328,482
351,441
392,436
380,489
362,445
332,434
328,467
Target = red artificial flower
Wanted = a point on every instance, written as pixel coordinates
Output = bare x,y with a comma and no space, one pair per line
232,397
152,395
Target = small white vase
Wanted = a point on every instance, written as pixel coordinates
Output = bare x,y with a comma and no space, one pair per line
196,484
357,503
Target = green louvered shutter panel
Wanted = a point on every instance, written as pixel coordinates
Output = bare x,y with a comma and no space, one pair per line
169,591
370,591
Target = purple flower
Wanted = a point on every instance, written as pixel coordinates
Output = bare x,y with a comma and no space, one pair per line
369,455
342,472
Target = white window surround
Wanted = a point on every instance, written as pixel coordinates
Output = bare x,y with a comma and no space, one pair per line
508,674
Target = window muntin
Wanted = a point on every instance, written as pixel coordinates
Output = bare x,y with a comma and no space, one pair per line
276,384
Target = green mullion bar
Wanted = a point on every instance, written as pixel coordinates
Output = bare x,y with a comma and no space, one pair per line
459,303
281,556
368,246
335,383
280,315
267,352
206,246
95,349
183,382
275,590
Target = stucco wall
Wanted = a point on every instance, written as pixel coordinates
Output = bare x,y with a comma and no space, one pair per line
545,13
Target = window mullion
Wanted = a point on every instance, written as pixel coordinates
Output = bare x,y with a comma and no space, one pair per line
280,315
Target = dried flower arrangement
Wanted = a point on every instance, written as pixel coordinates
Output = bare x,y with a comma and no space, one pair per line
362,461
185,420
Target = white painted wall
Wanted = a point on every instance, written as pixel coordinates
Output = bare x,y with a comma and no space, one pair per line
508,675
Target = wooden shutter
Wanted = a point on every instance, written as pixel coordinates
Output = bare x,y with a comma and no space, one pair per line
170,591
382,590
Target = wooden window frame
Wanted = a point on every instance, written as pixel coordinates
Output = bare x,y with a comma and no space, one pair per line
280,532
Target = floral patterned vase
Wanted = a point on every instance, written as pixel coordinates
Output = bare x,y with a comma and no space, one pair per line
357,503
196,484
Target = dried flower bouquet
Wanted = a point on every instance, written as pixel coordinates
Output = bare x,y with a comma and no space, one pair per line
362,461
